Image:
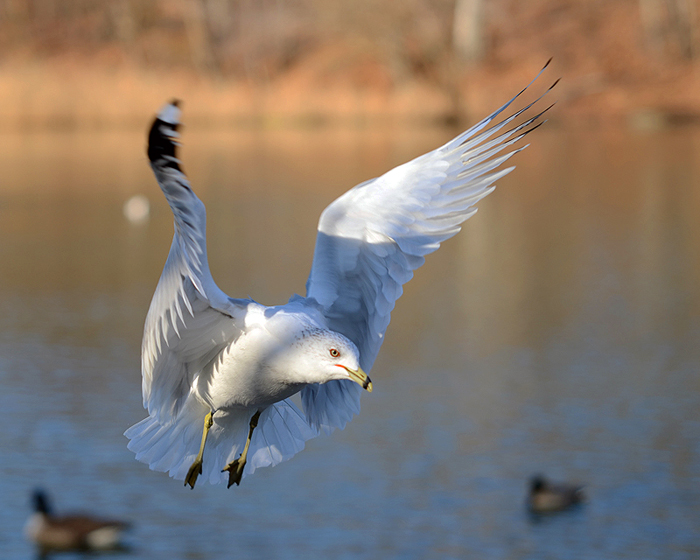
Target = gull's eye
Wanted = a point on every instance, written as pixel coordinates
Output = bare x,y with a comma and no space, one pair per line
334,353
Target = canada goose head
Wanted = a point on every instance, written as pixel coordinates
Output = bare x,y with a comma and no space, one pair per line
41,502
546,497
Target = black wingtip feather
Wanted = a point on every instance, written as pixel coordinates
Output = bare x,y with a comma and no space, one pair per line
504,107
161,145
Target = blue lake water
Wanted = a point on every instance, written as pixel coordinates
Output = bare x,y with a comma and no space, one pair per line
557,333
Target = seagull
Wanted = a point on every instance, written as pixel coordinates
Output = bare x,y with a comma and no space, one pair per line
70,532
218,372
547,497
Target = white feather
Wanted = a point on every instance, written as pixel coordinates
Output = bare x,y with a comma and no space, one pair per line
170,114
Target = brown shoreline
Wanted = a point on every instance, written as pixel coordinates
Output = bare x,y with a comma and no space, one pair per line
67,96
624,63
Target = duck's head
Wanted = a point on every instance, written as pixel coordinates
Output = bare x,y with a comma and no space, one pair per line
40,501
537,483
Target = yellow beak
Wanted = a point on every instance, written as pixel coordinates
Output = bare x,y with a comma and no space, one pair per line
360,377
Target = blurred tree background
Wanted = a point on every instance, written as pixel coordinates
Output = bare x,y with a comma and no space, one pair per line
77,62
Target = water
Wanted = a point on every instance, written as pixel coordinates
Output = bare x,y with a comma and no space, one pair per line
556,334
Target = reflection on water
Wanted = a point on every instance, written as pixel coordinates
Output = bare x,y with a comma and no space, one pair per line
557,333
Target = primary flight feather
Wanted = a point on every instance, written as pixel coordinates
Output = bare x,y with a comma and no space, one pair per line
218,372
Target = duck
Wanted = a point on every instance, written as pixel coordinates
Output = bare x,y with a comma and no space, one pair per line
72,532
548,497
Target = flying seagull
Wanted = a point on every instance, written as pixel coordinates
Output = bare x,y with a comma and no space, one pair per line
218,372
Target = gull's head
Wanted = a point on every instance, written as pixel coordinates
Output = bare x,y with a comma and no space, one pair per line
324,355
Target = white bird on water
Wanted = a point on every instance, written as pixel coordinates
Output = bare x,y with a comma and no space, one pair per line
218,372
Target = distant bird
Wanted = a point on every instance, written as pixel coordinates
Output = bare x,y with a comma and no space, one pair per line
546,497
137,209
218,372
70,532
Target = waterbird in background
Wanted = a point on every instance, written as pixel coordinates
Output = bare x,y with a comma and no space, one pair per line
547,497
218,372
137,209
70,532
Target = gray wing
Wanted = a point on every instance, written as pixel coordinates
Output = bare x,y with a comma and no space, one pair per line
190,319
372,238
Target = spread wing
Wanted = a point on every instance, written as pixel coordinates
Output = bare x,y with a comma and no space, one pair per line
372,238
190,319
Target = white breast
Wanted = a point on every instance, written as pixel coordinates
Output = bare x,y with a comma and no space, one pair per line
243,375
35,524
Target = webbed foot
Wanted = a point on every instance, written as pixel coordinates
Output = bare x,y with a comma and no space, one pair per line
235,468
193,473
235,472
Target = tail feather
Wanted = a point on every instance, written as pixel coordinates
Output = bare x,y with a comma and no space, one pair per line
163,447
281,433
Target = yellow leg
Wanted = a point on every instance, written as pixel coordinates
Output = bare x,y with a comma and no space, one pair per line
196,468
235,468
